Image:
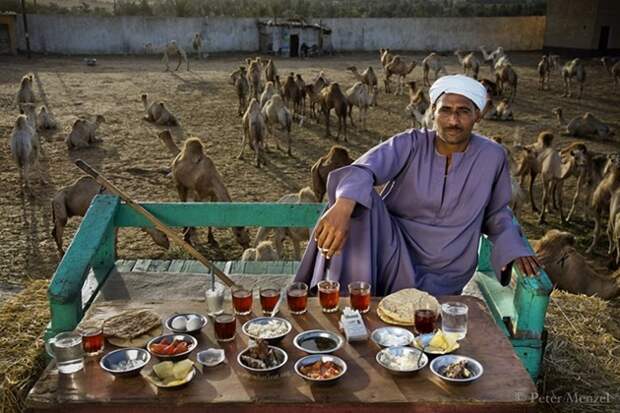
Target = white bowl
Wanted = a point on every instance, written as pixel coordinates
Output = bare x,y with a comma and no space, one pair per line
265,320
392,337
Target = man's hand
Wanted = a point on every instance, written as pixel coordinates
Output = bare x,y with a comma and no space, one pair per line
333,227
529,266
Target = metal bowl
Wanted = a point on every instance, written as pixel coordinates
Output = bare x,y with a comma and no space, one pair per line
263,321
392,337
394,352
193,343
310,334
211,357
203,323
280,355
441,362
110,362
313,358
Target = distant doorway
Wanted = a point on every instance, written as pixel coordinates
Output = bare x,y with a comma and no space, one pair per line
294,50
603,41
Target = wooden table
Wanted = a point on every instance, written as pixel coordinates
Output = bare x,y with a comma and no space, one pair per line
366,387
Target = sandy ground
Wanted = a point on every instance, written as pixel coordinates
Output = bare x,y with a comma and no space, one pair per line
206,104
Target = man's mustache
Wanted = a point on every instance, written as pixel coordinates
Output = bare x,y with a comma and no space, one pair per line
454,128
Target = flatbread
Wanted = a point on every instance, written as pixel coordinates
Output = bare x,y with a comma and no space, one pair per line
139,341
399,307
131,324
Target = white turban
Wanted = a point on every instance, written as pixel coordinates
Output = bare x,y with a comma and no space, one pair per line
460,85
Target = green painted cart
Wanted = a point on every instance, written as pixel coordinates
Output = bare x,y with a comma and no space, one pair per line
519,309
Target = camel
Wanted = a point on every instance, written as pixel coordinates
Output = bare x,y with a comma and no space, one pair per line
254,131
613,228
276,113
254,76
45,120
494,59
385,56
332,97
361,96
398,67
270,71
301,86
337,157
157,112
503,111
25,150
433,63
588,168
242,87
73,201
601,198
544,72
518,196
25,93
197,43
585,126
268,92
83,132
418,105
506,76
264,251
171,51
296,235
490,86
469,62
367,77
573,69
195,173
292,94
612,68
569,270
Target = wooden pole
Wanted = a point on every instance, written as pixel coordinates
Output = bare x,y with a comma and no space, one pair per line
156,222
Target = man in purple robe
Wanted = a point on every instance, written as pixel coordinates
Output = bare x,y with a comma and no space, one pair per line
443,188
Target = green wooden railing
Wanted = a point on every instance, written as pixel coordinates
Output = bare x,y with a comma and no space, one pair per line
519,310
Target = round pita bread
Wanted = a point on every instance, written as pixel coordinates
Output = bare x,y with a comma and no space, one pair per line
399,307
139,341
131,324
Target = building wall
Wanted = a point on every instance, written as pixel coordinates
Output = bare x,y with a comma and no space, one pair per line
111,35
608,15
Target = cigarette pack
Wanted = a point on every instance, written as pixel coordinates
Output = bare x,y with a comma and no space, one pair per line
352,324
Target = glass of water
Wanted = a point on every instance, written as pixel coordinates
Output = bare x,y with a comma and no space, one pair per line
66,349
454,319
215,300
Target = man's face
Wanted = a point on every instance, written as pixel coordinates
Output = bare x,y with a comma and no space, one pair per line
455,116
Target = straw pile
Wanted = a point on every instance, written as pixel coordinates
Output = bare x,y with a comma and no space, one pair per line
582,359
22,323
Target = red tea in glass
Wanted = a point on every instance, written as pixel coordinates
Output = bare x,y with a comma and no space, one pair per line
269,297
424,320
359,295
329,295
225,326
92,341
242,300
297,298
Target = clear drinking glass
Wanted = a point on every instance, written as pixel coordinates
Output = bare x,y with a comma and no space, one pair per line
66,349
297,297
215,300
93,340
359,295
329,295
242,299
454,319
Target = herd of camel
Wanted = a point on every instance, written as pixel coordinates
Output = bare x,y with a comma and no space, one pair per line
269,107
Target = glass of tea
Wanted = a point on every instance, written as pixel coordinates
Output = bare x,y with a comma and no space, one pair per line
225,326
359,294
424,320
329,295
297,297
242,299
92,340
269,297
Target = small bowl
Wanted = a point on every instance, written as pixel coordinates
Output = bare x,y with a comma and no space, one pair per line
442,362
280,354
110,361
399,352
313,358
203,323
193,343
392,337
314,334
265,320
210,357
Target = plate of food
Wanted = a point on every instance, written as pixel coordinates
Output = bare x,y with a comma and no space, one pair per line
262,358
458,369
320,368
272,329
172,347
125,362
132,328
170,374
189,323
318,341
391,337
402,359
437,343
399,308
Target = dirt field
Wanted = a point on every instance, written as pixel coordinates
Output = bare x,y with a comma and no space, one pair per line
206,104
